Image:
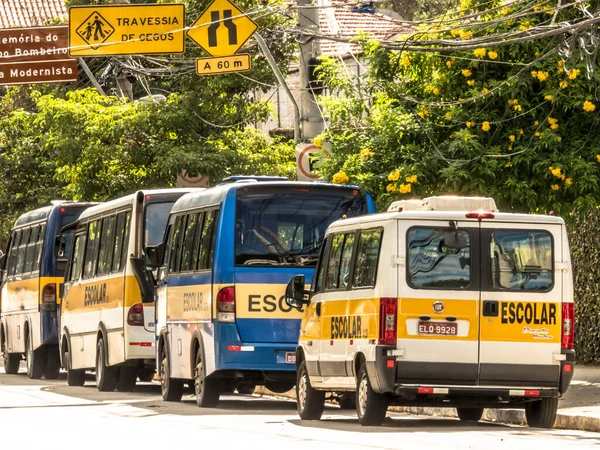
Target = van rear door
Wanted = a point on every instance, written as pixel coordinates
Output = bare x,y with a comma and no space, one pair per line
520,326
438,304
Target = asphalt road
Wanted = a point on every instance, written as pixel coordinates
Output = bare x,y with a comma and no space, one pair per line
49,414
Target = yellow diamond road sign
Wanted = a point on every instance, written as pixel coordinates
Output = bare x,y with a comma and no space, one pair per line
103,30
222,29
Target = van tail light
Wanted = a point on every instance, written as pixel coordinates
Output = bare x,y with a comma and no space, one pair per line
49,297
226,305
568,326
480,214
135,316
388,312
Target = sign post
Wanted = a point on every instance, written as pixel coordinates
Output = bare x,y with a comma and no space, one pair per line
105,30
221,30
36,55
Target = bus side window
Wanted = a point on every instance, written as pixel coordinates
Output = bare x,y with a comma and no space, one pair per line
205,259
335,259
30,254
91,251
106,245
38,248
320,279
188,244
175,254
12,256
369,244
125,248
22,251
77,262
118,246
198,245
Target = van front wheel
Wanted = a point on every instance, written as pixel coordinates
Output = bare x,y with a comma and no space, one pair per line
469,414
309,401
541,413
371,406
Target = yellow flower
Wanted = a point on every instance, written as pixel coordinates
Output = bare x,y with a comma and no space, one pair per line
412,179
555,187
543,76
598,158
556,172
471,124
548,97
524,26
572,74
505,11
436,91
340,178
390,187
485,126
448,115
485,91
558,138
492,55
449,63
455,33
365,153
553,126
394,176
518,108
536,123
513,101
512,138
568,182
563,84
588,106
510,148
508,164
464,35
534,74
467,73
552,120
479,52
563,176
521,131
538,134
406,60
405,188
560,66
470,82
318,141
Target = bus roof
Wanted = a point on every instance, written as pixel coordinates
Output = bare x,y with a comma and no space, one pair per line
215,195
130,199
43,213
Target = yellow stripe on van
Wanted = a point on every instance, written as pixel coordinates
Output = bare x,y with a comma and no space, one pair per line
97,295
189,302
350,319
21,295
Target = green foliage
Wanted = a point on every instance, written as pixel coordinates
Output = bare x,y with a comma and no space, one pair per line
508,122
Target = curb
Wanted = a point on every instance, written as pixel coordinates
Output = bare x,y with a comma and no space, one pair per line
565,419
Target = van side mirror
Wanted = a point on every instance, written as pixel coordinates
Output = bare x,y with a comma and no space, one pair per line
154,255
60,244
295,294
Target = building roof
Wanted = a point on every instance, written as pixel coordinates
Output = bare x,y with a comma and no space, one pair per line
30,13
340,21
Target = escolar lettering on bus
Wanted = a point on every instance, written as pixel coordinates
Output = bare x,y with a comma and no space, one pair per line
529,313
193,301
267,303
95,295
347,327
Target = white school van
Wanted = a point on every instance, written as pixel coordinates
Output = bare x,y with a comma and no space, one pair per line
444,302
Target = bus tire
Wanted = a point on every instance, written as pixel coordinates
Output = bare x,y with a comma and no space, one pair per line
52,368
279,387
36,359
371,407
74,377
469,414
541,413
207,390
11,360
246,388
146,375
171,389
309,402
106,377
127,379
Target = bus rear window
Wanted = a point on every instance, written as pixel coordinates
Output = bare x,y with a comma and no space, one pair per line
283,227
155,223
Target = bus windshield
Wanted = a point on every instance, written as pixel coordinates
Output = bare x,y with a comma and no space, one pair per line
155,223
286,227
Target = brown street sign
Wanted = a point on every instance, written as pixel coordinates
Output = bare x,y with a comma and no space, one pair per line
34,44
38,72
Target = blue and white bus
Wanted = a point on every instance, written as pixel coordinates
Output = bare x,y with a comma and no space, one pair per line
222,320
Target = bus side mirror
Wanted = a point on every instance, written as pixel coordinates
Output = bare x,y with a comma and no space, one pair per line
60,244
295,294
155,253
2,262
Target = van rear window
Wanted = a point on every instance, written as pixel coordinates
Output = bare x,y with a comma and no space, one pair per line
521,260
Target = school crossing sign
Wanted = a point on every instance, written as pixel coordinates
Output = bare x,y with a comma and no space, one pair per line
105,30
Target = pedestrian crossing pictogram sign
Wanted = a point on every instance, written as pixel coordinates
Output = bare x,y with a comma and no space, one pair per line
124,29
222,29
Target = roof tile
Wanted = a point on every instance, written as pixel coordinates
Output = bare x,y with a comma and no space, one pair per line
30,13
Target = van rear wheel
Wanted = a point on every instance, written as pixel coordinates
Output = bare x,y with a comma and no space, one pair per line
11,360
208,390
106,377
309,401
469,414
74,377
541,413
36,360
170,388
371,406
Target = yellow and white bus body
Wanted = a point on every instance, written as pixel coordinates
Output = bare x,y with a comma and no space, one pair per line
107,319
440,305
33,270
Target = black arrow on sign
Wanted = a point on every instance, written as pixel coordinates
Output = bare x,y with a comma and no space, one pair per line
216,23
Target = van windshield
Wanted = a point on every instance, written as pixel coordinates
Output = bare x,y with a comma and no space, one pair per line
286,226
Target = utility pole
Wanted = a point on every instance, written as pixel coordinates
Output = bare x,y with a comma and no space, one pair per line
311,117
124,86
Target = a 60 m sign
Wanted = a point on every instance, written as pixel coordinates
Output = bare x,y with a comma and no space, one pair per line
224,64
